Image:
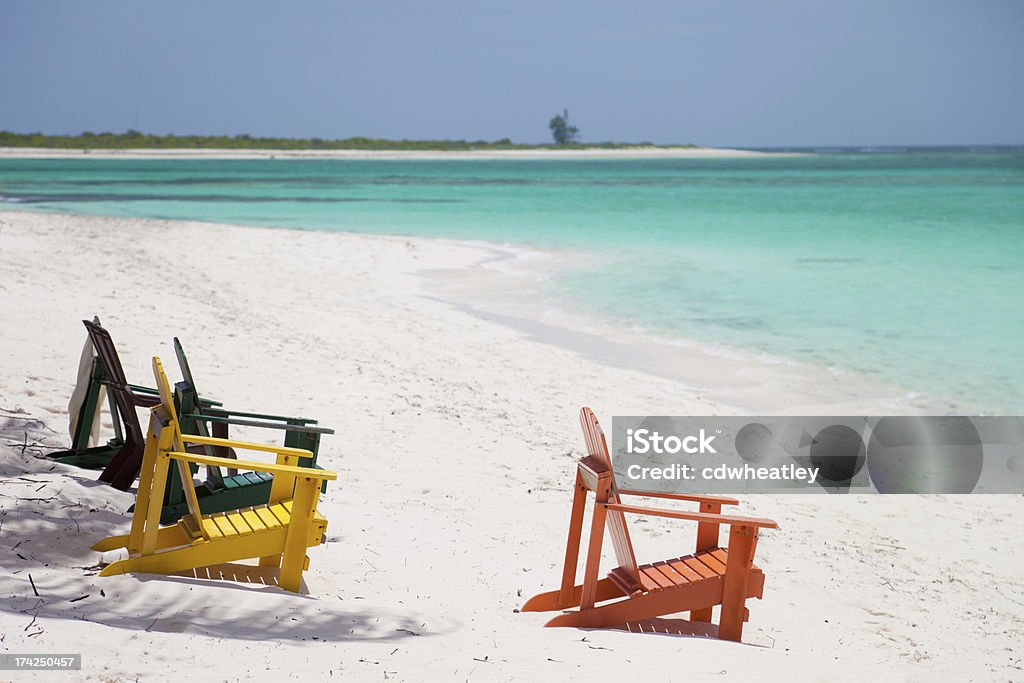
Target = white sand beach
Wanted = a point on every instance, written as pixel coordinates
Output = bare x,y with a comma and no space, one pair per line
585,153
455,445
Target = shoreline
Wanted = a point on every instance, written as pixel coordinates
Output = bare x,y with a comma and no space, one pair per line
438,155
741,380
749,381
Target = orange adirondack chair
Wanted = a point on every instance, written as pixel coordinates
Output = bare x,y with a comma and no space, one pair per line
695,583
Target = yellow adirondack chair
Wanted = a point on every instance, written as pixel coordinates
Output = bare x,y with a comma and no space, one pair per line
277,533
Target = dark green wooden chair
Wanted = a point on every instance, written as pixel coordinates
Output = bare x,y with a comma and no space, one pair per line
230,490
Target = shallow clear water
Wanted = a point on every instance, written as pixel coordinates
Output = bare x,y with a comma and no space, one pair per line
908,267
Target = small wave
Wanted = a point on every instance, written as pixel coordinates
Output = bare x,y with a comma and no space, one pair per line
837,259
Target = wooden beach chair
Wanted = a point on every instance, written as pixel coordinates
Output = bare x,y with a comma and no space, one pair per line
123,467
277,533
695,583
121,470
230,489
97,378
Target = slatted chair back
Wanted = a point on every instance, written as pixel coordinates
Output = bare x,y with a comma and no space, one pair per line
213,474
597,447
117,386
186,371
171,416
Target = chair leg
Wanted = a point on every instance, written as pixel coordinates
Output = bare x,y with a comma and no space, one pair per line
293,558
167,537
642,607
702,615
195,556
111,543
125,467
116,463
707,538
290,578
742,541
552,600
593,565
572,547
271,560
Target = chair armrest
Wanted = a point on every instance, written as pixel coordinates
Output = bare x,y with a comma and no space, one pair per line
143,396
143,392
223,412
272,468
721,500
308,429
695,516
597,468
145,400
245,445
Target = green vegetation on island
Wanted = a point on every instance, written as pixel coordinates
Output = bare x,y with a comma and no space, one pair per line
133,139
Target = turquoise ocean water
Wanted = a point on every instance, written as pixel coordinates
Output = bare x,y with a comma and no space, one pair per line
907,266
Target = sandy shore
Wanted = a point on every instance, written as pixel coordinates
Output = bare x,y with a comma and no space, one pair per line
594,153
455,446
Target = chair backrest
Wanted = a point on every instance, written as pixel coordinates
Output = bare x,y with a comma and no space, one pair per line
117,384
213,474
164,436
163,386
186,371
597,446
167,408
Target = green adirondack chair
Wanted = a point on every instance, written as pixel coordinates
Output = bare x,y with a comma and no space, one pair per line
230,490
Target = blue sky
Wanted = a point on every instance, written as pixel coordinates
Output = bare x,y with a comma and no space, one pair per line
743,73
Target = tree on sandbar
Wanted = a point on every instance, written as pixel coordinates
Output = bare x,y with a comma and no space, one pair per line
563,132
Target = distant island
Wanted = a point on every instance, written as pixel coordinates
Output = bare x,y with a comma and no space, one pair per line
134,139
133,144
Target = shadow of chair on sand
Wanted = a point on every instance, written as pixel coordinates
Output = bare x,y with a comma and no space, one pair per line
680,628
671,627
